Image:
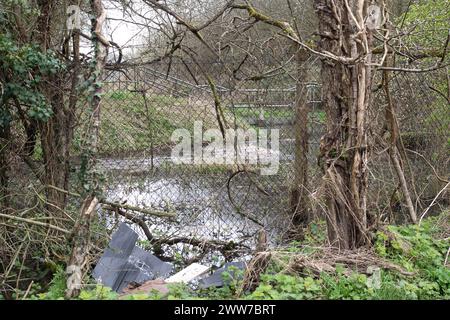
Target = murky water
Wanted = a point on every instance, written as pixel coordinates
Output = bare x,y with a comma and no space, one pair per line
207,204
201,202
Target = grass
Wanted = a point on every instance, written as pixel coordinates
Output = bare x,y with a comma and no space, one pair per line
269,113
132,123
316,116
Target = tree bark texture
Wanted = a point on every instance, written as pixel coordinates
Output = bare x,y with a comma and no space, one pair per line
81,233
346,89
299,193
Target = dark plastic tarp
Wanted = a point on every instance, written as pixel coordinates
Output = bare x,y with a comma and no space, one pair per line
123,262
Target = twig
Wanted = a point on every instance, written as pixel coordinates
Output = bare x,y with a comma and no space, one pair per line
430,165
446,257
432,203
30,221
161,214
150,212
133,218
28,290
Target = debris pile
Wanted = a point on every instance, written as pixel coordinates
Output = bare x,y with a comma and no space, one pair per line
127,268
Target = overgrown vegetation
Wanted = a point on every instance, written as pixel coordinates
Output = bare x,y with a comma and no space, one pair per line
17,64
121,111
419,252
383,104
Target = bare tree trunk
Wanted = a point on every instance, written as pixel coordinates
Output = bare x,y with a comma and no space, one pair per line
81,241
72,105
299,194
346,82
394,143
54,149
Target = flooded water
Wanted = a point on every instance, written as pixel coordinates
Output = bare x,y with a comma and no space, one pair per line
207,204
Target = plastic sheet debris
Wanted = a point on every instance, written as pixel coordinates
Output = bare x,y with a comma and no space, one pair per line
188,274
217,278
123,263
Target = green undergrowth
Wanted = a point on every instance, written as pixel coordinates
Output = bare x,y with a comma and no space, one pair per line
419,251
133,123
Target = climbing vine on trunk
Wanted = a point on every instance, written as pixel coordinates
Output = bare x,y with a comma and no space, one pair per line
90,176
347,82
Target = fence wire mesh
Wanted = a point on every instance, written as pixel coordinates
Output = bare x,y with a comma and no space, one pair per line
423,115
217,204
143,105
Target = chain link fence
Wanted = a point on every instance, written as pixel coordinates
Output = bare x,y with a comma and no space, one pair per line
223,206
423,115
144,105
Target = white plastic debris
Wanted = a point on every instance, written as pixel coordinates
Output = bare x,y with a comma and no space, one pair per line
188,274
